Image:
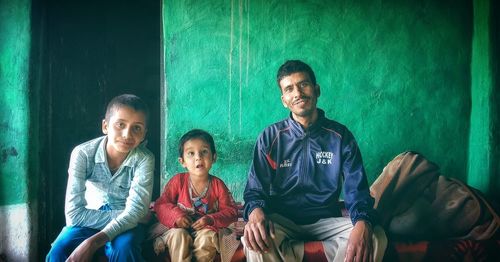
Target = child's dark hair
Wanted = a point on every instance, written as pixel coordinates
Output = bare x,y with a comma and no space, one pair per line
196,134
129,100
295,66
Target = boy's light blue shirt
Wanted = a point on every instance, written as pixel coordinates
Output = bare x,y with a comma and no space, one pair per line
123,197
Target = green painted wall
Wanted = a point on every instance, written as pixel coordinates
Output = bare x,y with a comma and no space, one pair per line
15,40
480,139
484,139
397,73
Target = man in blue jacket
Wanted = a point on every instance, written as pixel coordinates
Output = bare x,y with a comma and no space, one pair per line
299,167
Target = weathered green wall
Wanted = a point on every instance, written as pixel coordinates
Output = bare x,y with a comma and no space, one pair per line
17,129
484,138
15,42
397,73
480,146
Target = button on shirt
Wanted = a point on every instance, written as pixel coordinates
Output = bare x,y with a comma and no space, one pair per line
97,199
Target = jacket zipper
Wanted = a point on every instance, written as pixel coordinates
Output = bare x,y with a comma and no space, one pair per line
304,169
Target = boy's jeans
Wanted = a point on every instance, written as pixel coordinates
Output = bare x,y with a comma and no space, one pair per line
125,247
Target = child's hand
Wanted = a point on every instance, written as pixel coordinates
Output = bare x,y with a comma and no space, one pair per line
202,222
183,222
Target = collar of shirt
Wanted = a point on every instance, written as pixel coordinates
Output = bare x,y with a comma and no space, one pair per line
100,156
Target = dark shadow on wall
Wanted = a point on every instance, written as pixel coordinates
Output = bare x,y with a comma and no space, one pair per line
90,52
38,161
495,60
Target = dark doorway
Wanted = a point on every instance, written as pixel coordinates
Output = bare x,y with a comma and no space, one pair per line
92,51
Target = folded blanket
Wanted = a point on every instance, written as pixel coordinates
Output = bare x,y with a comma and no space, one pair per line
416,202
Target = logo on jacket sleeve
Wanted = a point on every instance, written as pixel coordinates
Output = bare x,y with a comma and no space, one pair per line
286,163
324,158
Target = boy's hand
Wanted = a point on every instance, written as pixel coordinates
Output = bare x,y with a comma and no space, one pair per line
85,251
184,222
202,222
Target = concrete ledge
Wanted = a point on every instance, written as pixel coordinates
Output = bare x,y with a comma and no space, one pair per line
15,229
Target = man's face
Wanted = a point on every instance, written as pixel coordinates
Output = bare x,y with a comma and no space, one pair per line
299,95
126,128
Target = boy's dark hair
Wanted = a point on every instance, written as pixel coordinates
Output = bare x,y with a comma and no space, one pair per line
294,66
196,134
129,100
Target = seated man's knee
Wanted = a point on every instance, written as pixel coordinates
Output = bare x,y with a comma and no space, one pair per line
379,243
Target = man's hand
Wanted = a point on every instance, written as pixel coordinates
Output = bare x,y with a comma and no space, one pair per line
359,247
85,251
202,222
257,231
184,222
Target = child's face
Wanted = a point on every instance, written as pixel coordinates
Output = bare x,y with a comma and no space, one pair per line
197,157
126,130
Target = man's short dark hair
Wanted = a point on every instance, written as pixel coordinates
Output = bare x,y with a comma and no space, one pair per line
196,134
128,100
295,66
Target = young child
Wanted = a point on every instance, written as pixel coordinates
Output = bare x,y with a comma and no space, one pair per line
194,205
109,188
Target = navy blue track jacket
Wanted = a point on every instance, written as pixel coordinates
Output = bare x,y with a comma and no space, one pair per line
298,173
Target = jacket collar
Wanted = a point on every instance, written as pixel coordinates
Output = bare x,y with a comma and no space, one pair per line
297,128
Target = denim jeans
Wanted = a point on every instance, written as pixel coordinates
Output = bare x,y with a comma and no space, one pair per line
125,247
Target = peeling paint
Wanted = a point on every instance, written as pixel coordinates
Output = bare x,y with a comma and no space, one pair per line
15,41
6,153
